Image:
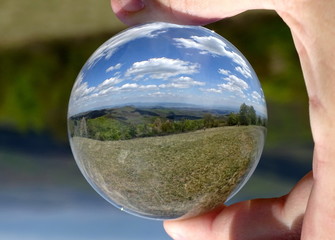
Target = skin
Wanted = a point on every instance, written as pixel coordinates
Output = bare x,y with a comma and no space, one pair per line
308,211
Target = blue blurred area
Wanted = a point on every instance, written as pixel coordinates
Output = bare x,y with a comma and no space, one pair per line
44,196
71,221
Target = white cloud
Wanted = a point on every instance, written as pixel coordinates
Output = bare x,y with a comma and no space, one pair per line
209,44
235,85
128,86
111,46
106,86
80,88
82,94
161,68
188,81
215,46
224,87
246,72
211,90
115,67
232,88
255,95
156,94
109,82
182,82
238,82
224,72
232,84
124,87
149,87
173,85
83,90
166,95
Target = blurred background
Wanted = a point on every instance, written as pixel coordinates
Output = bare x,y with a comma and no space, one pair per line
43,46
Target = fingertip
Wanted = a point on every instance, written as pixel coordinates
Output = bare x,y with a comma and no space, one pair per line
127,5
124,9
173,230
196,228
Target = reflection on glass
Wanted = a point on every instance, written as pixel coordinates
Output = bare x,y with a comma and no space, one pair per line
167,121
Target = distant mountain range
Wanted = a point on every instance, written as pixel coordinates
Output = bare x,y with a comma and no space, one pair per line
167,110
139,114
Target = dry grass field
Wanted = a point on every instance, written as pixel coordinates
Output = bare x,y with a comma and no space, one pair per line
171,176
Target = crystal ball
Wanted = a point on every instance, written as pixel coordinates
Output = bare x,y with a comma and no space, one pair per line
167,121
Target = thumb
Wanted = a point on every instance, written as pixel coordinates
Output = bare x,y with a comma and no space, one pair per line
196,12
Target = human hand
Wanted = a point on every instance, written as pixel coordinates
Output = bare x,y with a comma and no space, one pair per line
309,209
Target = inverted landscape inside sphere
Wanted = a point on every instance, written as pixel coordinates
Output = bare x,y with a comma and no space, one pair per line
167,121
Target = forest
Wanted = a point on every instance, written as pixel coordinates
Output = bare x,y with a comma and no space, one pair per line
109,128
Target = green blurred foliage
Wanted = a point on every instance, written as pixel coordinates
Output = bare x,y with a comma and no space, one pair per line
36,82
36,79
266,42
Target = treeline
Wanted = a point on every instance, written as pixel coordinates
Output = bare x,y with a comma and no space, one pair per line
106,128
246,116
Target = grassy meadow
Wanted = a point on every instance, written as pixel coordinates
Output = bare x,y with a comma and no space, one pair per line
171,176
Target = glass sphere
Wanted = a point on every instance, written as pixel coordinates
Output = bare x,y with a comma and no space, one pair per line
167,121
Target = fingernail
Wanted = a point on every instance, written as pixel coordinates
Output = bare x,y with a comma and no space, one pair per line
176,236
132,5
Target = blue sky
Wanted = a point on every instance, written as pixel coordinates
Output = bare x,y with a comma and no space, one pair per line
162,62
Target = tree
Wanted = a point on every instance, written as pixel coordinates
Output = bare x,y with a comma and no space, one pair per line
252,115
157,125
259,121
168,127
233,119
104,128
83,128
244,115
208,120
143,130
179,126
132,131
